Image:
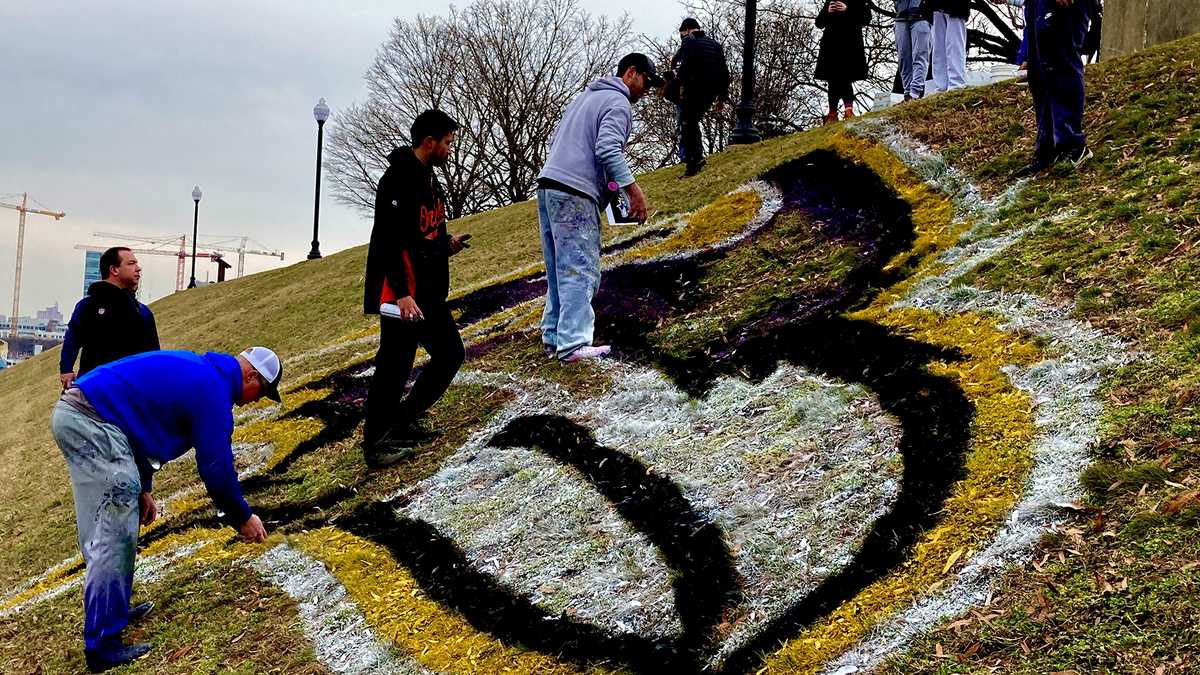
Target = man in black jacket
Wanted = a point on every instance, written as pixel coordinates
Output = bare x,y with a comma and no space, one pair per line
109,323
407,281
701,78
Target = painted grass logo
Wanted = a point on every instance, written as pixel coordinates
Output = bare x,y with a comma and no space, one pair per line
813,444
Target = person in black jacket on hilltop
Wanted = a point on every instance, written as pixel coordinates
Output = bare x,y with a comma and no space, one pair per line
842,59
701,78
407,281
109,323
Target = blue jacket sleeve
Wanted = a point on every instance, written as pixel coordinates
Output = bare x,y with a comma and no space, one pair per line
610,144
212,433
150,339
73,339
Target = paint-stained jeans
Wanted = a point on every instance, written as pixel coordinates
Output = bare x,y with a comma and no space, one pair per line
571,247
105,481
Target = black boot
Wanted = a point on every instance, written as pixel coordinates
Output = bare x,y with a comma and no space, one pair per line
113,653
397,444
1038,164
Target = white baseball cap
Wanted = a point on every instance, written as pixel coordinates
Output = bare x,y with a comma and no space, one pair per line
267,364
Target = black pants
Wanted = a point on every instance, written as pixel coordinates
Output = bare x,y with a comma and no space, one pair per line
398,340
843,91
692,114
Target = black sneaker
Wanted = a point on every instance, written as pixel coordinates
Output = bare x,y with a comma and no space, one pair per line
1034,167
416,432
381,455
139,612
113,653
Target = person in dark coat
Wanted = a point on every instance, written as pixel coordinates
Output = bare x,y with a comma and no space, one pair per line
701,78
109,323
1055,32
842,59
407,281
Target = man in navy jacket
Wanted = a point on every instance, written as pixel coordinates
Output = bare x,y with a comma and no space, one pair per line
109,323
701,78
117,425
1055,31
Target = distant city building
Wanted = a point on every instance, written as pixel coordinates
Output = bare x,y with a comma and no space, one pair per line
91,269
50,314
35,328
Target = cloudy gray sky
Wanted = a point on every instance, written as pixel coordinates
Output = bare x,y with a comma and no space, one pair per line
112,110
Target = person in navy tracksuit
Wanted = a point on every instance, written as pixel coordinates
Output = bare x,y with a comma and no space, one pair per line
1055,32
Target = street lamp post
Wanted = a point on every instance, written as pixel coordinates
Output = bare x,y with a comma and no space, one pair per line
196,195
744,132
320,113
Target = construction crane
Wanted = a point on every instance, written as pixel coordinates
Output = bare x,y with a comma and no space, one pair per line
215,256
23,209
218,242
213,243
181,253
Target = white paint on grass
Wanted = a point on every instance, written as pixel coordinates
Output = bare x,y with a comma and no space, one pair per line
794,470
1063,391
148,569
343,641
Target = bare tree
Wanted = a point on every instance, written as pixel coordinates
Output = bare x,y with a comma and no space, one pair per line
505,69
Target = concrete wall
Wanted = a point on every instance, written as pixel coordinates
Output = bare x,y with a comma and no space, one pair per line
1130,25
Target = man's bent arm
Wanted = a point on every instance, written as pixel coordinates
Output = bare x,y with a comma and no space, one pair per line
610,146
212,431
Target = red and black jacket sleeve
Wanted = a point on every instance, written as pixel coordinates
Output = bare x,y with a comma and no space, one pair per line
388,270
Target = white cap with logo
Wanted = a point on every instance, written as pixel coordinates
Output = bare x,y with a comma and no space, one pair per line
267,364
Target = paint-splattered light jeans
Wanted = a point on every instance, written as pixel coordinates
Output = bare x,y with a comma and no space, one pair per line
571,247
105,481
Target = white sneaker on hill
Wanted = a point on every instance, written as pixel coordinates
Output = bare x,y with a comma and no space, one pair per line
587,352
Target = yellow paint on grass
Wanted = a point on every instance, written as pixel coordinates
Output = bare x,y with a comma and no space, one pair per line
67,574
933,222
283,435
712,224
398,610
999,457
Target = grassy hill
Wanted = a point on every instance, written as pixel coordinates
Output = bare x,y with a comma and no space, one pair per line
1112,588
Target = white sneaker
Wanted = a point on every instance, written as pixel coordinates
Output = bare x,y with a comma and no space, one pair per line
587,352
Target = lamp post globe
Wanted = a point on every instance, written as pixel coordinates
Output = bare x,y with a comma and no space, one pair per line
320,114
196,195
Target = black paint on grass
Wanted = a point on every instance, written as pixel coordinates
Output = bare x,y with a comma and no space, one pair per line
848,204
707,584
484,302
445,574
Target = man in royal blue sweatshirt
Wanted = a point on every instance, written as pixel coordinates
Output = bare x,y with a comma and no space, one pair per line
109,323
116,426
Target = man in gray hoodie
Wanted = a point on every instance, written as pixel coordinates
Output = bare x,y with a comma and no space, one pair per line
586,156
